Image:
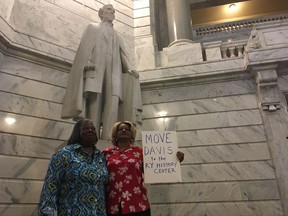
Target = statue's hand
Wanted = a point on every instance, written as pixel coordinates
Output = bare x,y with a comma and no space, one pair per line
133,73
89,68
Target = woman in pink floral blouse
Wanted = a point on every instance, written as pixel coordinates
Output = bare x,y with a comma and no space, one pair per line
125,193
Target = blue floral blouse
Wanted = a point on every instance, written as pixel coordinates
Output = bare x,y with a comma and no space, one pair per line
74,184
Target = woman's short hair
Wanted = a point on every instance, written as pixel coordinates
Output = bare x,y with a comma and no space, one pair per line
77,131
115,127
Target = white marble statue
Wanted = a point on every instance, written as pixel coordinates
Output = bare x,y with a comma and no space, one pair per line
102,86
253,41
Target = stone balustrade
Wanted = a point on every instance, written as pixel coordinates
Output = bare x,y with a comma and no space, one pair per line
223,50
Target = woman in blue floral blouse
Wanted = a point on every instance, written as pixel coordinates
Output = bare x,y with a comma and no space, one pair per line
76,177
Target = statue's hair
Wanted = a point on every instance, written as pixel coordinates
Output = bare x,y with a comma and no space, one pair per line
101,10
115,130
77,131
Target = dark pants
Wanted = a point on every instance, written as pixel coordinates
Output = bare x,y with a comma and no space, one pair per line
144,213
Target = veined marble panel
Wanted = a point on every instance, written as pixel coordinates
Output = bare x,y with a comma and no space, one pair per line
180,55
219,104
145,57
143,21
5,8
213,54
23,168
144,53
237,171
19,191
27,146
36,127
212,50
141,4
204,121
226,153
57,27
226,66
144,41
31,88
268,55
128,3
123,28
12,103
142,31
282,163
84,8
277,37
6,31
283,82
263,208
1,57
87,8
209,90
43,47
82,14
45,41
124,18
231,135
18,209
91,4
278,139
124,9
34,71
215,192
142,12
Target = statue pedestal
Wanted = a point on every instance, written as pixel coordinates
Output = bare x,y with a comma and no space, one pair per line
182,54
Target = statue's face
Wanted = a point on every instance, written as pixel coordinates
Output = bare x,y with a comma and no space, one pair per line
108,14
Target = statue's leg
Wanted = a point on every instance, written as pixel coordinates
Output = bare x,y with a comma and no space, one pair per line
94,109
110,114
83,113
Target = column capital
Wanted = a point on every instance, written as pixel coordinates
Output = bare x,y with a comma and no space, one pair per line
266,67
267,87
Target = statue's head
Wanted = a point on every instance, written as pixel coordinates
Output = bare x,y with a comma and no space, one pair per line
107,13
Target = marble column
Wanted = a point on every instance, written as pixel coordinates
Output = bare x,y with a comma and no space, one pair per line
179,22
275,120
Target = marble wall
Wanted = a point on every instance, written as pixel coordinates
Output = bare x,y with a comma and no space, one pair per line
38,41
235,148
230,114
31,93
54,27
228,169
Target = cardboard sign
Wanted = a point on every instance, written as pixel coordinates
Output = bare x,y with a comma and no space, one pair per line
160,161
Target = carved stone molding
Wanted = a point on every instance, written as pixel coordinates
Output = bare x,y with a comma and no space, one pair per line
267,87
12,49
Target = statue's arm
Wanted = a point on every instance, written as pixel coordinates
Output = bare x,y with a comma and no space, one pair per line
126,63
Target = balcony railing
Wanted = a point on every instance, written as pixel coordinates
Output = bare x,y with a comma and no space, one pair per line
238,25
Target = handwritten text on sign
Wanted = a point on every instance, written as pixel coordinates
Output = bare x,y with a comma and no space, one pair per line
160,160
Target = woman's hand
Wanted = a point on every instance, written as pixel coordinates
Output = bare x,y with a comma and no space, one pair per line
180,156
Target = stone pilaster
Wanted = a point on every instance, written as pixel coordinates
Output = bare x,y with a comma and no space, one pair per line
275,120
267,89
